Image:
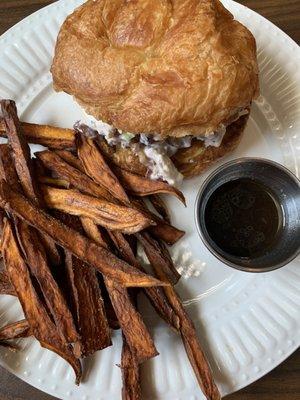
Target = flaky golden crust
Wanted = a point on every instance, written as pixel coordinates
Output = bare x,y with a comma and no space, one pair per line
173,67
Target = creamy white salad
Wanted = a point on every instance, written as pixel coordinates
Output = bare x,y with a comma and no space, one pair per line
154,152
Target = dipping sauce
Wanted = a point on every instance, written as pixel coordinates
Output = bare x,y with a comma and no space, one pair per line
243,218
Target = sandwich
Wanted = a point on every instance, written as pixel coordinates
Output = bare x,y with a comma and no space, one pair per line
167,83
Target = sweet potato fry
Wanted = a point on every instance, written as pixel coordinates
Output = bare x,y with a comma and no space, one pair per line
161,257
155,294
162,230
109,215
60,183
91,319
93,232
75,177
109,310
37,261
81,247
21,152
20,172
7,168
131,389
16,330
33,245
131,323
159,205
96,167
187,330
168,233
86,299
48,136
141,186
40,324
5,285
71,159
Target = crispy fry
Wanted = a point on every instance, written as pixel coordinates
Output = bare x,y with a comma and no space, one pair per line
40,324
168,233
5,285
141,186
162,230
16,330
37,261
160,255
131,323
21,152
86,299
109,310
93,232
60,183
33,245
96,167
155,294
188,332
159,205
7,168
91,318
48,136
74,242
102,212
131,389
75,177
71,159
19,172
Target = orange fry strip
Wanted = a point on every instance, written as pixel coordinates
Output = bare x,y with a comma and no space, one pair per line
159,205
78,245
48,136
96,167
131,323
139,186
163,261
71,159
16,330
168,233
40,323
155,294
93,232
24,167
34,250
188,332
75,177
21,152
91,320
5,285
162,230
109,215
60,183
131,389
37,261
86,299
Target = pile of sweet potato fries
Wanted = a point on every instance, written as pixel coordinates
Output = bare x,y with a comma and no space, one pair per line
72,219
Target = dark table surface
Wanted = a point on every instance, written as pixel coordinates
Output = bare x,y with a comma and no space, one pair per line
283,383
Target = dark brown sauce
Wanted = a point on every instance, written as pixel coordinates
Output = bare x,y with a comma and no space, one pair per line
243,218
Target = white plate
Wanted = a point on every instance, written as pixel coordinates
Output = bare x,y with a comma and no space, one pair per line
248,324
